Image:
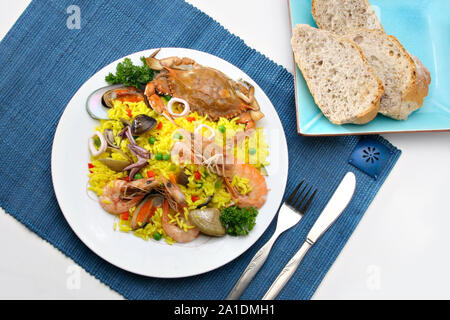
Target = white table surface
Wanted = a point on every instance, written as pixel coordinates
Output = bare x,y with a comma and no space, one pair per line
398,251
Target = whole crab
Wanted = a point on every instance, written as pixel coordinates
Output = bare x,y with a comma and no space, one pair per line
207,90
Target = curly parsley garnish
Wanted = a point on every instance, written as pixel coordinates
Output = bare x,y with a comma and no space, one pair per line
238,221
130,75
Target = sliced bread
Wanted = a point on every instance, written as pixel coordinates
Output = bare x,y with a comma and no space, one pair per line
341,82
405,81
344,16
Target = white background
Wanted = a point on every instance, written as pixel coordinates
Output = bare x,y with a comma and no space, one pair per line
398,251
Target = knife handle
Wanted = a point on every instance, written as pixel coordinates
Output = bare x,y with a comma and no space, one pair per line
287,272
252,269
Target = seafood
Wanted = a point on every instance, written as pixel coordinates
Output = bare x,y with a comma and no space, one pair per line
100,101
109,137
195,167
258,194
122,93
222,162
185,104
120,195
176,197
204,204
145,210
102,147
142,123
114,164
182,178
140,153
175,232
207,221
207,90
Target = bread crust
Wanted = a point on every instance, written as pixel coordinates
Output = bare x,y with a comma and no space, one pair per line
314,14
418,89
369,113
413,97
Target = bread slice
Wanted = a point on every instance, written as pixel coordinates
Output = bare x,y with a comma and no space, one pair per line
338,76
344,16
405,81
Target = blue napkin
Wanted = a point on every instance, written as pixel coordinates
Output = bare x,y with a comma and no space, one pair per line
47,56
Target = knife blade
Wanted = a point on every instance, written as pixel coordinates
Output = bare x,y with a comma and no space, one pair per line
335,206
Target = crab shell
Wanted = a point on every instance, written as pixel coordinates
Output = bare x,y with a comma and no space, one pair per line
208,91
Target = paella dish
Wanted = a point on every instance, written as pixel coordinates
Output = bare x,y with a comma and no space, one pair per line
177,150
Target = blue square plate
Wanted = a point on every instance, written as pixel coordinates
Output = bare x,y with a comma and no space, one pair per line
423,27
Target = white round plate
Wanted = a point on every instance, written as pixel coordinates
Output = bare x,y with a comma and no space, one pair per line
94,226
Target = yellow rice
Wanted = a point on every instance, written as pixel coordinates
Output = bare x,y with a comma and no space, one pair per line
253,150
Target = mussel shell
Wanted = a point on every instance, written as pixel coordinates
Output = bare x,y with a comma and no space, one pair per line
112,94
125,122
94,105
142,123
182,178
114,164
109,137
157,201
123,154
207,220
204,204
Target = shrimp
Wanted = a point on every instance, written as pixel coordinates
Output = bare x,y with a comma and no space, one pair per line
174,194
175,232
120,195
221,161
258,194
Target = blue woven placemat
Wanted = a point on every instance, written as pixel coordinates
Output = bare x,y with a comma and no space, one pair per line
43,65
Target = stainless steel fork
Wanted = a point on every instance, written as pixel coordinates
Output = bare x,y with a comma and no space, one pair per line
289,215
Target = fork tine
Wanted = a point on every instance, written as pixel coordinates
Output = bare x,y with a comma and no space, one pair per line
308,202
291,196
301,199
299,195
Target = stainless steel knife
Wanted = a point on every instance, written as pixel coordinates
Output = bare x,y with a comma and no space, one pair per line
330,213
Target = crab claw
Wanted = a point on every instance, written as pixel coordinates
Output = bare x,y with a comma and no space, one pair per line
250,125
154,64
152,100
248,120
156,103
256,115
150,89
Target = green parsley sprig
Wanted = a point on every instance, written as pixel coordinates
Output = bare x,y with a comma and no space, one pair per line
130,75
238,221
